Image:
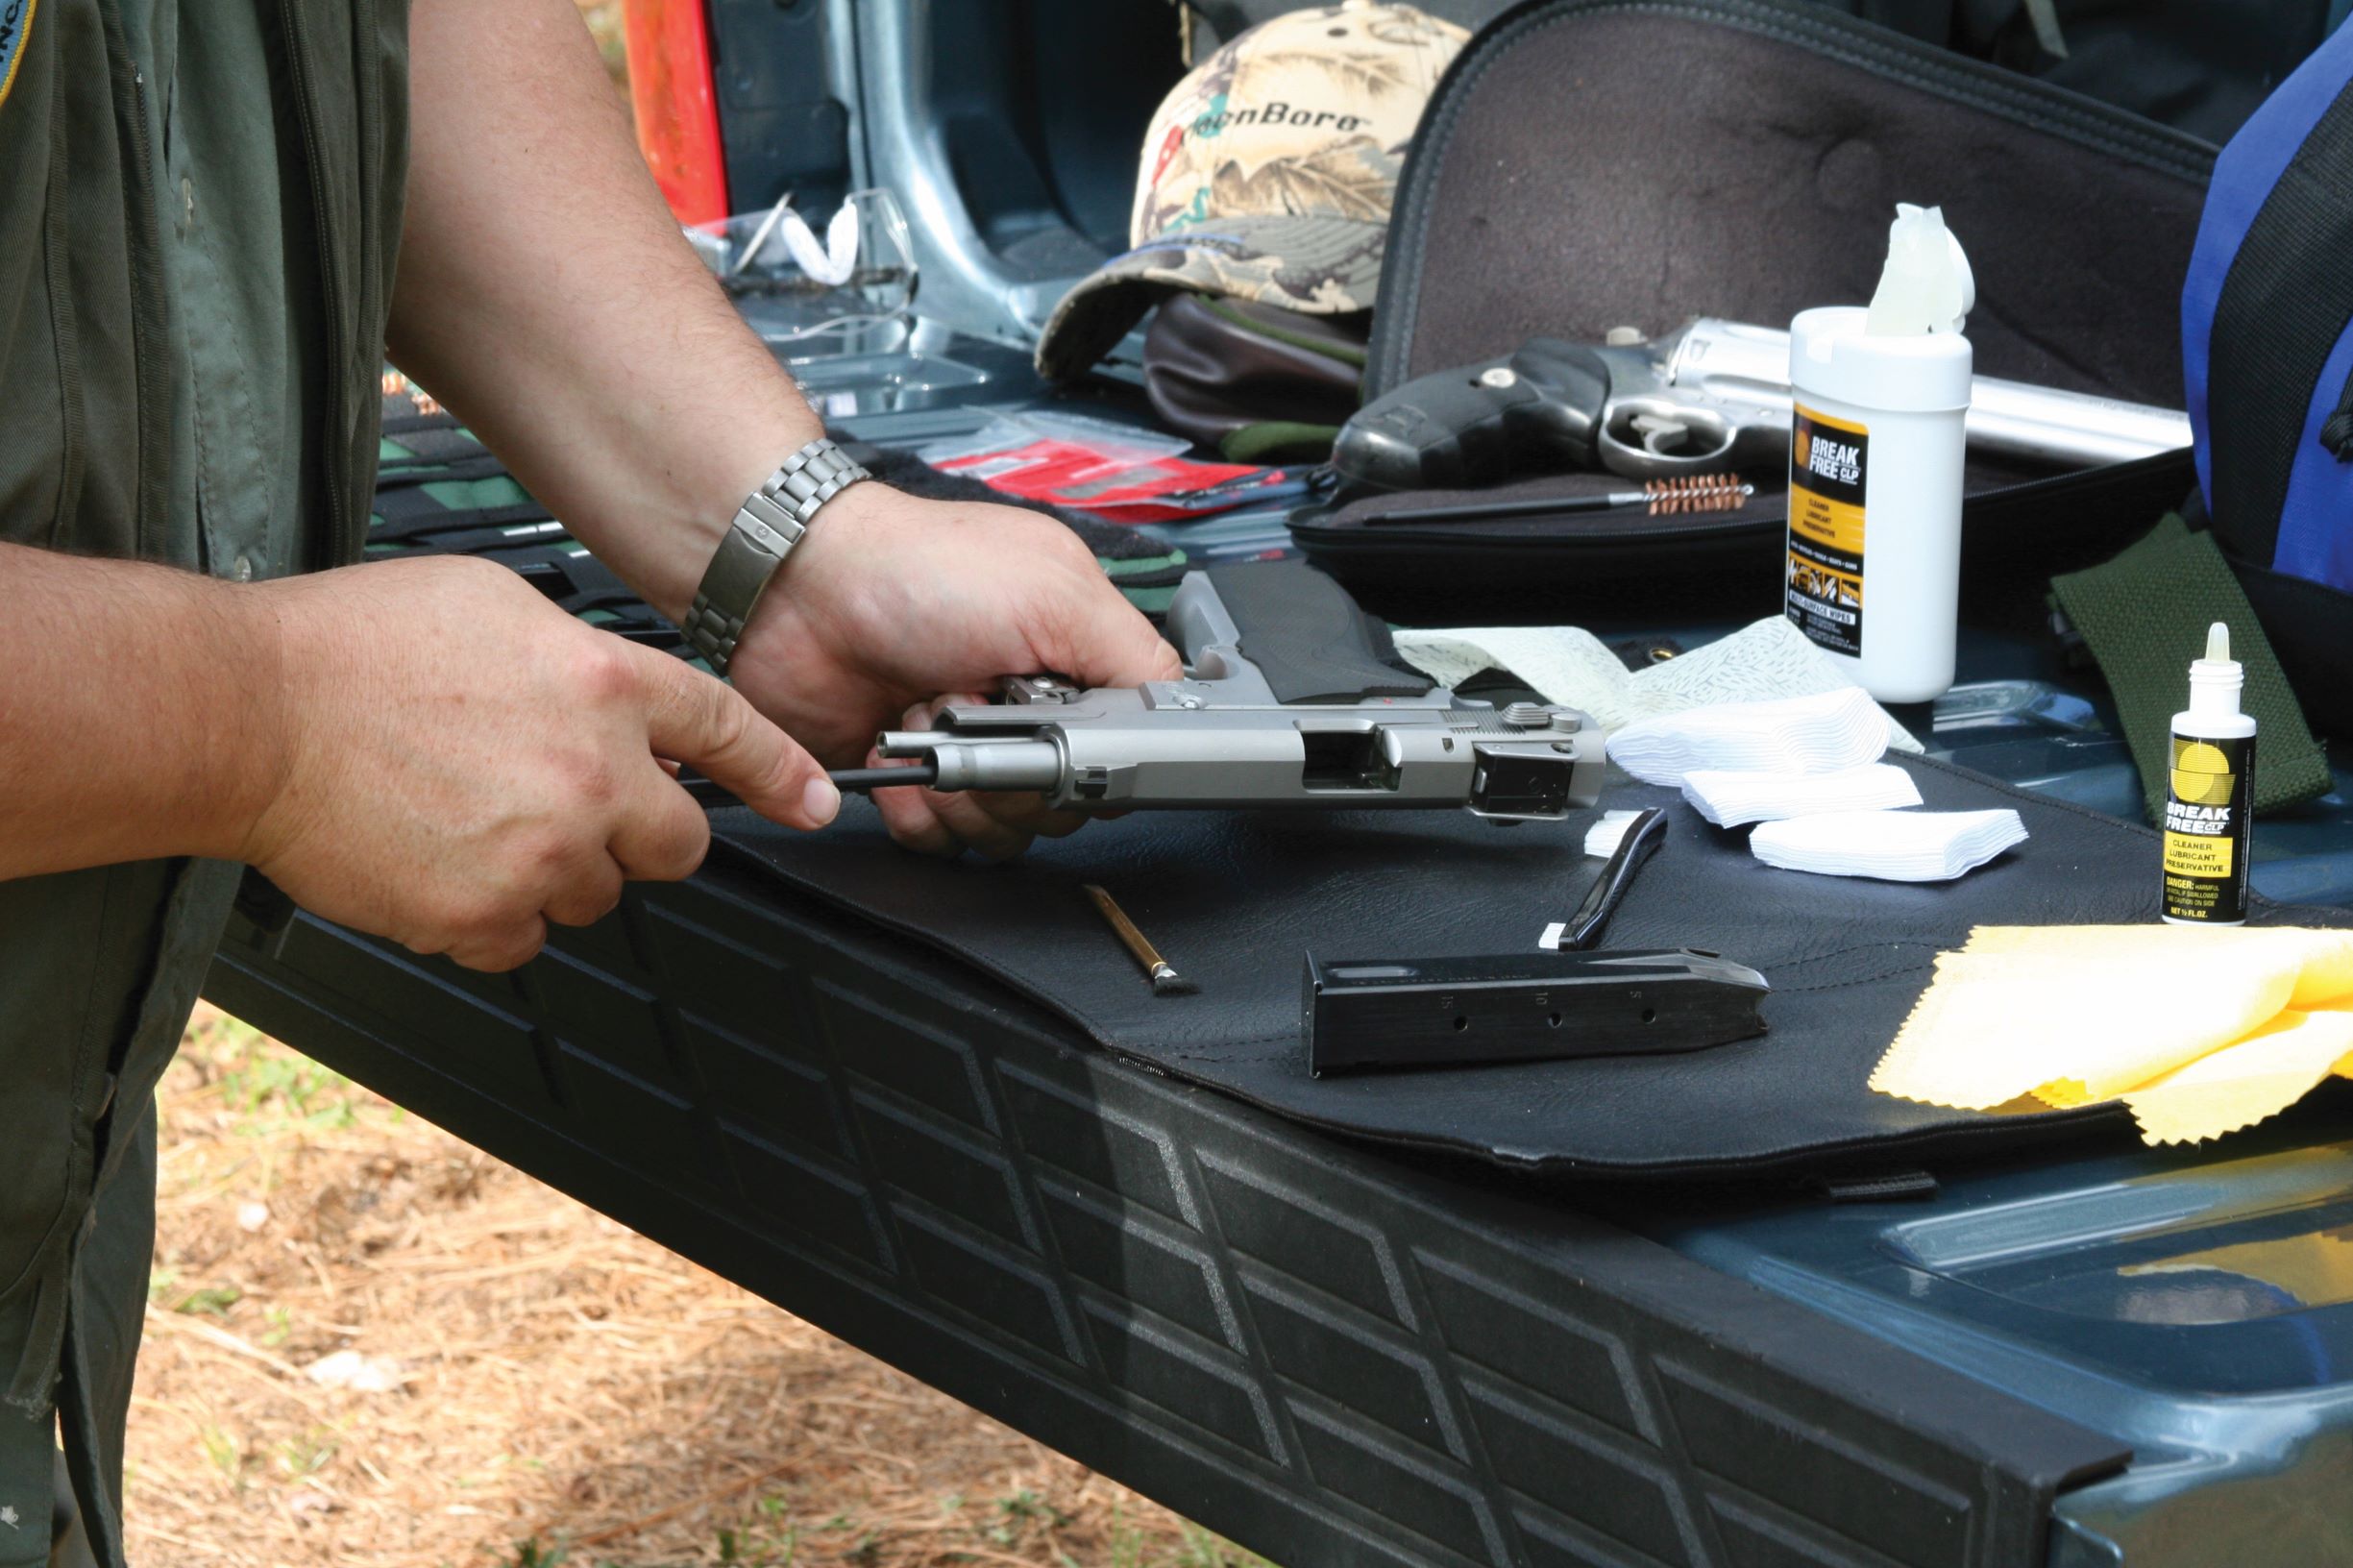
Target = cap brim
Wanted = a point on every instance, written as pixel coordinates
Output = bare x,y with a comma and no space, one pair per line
1319,265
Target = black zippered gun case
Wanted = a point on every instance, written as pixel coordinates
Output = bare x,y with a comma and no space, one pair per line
1593,165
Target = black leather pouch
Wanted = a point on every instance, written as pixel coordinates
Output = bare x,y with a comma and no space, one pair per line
1256,382
1590,165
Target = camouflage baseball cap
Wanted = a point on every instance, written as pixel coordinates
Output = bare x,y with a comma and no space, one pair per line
1268,173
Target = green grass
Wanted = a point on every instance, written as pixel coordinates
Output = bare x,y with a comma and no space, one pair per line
271,1091
306,1454
277,1328
275,1091
1197,1547
221,1448
212,1301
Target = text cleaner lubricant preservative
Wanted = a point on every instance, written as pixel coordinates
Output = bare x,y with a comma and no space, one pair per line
2208,825
1877,444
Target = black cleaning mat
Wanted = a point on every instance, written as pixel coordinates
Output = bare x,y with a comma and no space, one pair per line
1234,901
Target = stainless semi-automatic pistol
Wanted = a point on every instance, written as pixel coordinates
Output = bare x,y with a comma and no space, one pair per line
1287,699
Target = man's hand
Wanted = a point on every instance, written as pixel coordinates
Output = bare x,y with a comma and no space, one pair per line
890,601
545,294
460,762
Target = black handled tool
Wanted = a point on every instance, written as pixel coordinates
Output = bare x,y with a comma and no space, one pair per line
1637,841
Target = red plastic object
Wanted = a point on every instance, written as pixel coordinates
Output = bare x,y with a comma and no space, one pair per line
668,43
1113,486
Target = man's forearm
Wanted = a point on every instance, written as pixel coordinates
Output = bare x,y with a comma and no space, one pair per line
547,298
137,712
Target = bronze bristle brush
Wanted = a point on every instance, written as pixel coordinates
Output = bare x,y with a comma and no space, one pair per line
1675,496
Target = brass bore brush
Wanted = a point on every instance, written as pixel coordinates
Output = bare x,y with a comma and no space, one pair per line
1683,494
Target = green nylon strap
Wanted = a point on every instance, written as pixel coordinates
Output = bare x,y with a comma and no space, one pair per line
1149,582
1346,353
1279,440
477,495
1170,565
2144,615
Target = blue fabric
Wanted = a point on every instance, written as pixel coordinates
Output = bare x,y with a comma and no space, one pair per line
2316,524
2243,175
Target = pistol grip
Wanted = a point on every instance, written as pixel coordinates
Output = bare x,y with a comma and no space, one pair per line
1307,636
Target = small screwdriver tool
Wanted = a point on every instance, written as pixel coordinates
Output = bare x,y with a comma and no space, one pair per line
1165,981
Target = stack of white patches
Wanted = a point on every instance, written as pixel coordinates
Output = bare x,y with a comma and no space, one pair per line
1808,769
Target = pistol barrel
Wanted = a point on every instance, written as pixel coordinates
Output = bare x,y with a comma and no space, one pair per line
1008,764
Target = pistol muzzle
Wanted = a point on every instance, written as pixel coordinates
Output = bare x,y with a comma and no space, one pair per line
1013,763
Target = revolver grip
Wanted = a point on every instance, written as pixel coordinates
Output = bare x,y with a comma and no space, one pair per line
1478,424
1308,637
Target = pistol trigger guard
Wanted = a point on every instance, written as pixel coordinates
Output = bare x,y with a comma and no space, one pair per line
1648,436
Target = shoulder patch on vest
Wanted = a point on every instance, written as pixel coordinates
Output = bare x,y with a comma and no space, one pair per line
16,26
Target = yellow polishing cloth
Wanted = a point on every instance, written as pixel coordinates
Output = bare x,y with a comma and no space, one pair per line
2328,955
2074,1015
2241,1085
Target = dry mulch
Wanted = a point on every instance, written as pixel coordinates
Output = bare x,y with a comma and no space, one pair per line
370,1344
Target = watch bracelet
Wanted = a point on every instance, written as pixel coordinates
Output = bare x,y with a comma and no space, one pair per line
770,521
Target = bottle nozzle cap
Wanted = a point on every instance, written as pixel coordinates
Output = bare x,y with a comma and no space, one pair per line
2214,680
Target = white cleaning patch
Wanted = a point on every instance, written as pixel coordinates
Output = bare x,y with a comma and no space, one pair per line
1820,734
1890,845
1732,799
1607,831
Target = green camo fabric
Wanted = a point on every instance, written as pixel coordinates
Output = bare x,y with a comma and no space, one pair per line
2144,615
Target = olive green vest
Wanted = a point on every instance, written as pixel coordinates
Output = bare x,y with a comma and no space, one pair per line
197,222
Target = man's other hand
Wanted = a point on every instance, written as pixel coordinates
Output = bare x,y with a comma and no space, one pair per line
458,762
891,601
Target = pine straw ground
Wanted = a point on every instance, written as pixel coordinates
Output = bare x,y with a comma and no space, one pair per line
562,1388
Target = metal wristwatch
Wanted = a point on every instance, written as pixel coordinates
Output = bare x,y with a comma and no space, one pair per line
767,526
